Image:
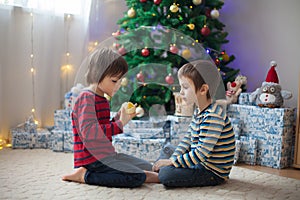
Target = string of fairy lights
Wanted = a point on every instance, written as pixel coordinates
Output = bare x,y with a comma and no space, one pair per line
32,69
67,67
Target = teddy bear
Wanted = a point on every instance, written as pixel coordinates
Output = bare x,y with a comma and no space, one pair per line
234,89
270,93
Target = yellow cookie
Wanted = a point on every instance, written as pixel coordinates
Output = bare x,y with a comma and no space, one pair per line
130,108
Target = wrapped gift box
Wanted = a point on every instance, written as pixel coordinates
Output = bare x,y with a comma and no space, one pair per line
148,149
144,133
63,120
179,127
57,140
151,123
24,140
248,150
244,99
68,141
273,128
237,125
62,141
21,139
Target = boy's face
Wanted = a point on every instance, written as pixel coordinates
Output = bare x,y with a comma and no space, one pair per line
110,85
187,90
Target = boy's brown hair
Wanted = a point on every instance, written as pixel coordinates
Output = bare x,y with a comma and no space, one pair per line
190,71
105,62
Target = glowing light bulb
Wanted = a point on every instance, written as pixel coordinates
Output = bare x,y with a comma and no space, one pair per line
31,55
32,110
32,69
68,54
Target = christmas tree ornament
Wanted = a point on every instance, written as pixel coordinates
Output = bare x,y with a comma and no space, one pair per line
207,12
143,1
173,49
145,52
157,2
116,45
186,53
191,26
225,56
169,79
174,8
124,82
217,61
205,31
214,14
140,76
122,51
197,2
117,33
131,13
140,111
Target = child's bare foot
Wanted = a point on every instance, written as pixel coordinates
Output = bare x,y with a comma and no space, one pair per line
77,176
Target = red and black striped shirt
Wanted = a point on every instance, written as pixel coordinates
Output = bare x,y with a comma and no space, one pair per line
93,129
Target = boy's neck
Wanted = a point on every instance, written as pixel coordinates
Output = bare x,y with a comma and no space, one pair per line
203,103
94,88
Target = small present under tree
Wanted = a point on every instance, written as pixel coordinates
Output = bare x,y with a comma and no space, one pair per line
156,37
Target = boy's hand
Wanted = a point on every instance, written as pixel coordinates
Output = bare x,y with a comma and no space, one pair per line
161,163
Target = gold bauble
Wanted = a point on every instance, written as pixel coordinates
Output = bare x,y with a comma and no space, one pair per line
191,26
186,54
225,57
131,13
174,8
197,2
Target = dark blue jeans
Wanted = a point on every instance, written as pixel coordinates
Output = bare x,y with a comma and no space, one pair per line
197,176
120,170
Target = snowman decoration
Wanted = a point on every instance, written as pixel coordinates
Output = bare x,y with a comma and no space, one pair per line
270,93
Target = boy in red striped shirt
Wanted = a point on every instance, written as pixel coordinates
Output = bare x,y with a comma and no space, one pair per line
94,154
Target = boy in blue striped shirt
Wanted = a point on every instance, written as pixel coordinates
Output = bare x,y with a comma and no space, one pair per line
205,155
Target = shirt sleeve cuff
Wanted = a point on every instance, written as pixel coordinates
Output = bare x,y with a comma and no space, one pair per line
175,162
120,125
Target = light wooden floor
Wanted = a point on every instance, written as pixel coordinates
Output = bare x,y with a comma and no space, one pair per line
286,172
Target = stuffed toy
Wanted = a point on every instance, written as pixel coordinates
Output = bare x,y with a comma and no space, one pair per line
71,96
234,89
270,93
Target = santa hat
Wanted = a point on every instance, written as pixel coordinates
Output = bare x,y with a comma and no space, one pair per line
272,74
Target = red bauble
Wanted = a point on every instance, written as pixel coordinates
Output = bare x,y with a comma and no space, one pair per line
174,49
207,13
122,51
143,1
169,79
117,33
116,45
145,52
205,31
140,77
157,2
217,61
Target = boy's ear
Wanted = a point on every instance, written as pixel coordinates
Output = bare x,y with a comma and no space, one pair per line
204,89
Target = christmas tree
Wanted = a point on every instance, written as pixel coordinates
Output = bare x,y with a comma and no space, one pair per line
156,37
